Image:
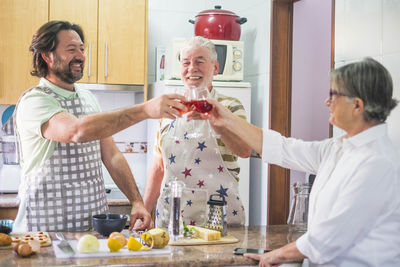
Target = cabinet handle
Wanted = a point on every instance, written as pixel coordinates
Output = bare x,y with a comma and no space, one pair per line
90,60
106,61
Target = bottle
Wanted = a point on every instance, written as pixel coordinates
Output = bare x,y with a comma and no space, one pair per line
298,216
175,226
162,66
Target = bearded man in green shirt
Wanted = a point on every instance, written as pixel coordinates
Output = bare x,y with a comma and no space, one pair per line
64,138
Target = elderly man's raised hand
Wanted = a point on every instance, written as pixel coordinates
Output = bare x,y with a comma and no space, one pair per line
165,106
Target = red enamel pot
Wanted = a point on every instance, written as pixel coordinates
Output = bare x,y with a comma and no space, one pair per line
218,24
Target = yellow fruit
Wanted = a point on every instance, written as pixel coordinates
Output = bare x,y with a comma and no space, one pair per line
120,237
115,233
114,245
144,248
133,244
156,238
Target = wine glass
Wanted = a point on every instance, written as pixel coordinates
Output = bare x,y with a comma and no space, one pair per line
198,98
184,92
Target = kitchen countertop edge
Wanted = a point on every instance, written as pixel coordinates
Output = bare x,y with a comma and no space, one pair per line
12,201
267,237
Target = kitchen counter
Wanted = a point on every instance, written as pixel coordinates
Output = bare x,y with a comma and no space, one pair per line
9,206
11,201
270,237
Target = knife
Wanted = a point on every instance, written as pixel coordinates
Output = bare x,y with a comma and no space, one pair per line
64,245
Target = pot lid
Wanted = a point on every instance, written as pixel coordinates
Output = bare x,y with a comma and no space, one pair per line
217,11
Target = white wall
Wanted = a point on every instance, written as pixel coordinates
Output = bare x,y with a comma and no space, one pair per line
371,28
169,19
310,72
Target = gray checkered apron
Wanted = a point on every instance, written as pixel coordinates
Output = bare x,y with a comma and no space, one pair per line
67,189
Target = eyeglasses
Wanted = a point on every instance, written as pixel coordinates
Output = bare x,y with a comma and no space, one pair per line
336,93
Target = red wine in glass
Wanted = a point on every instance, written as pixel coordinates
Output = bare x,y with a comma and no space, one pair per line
202,106
188,105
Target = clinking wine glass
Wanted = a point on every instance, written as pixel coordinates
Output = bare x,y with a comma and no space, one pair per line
182,123
197,97
184,92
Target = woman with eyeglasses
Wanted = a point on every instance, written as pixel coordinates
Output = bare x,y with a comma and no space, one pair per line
354,208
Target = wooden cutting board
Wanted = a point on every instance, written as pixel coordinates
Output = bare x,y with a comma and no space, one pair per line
28,235
197,241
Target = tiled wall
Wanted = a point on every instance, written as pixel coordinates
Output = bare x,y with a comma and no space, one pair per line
131,141
169,19
371,28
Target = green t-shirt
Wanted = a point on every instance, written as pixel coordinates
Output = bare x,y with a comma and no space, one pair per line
36,108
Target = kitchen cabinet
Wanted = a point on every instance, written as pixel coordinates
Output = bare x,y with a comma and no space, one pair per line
115,41
83,13
116,38
122,42
19,20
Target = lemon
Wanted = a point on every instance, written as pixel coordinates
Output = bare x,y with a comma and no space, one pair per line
120,237
133,244
144,248
114,245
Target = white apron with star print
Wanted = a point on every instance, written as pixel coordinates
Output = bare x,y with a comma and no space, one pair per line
191,154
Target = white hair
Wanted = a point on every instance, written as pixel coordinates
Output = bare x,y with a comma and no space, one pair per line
199,41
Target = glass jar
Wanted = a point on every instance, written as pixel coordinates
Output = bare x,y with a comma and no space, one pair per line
298,216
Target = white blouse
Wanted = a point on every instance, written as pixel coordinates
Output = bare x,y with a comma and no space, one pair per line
354,212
